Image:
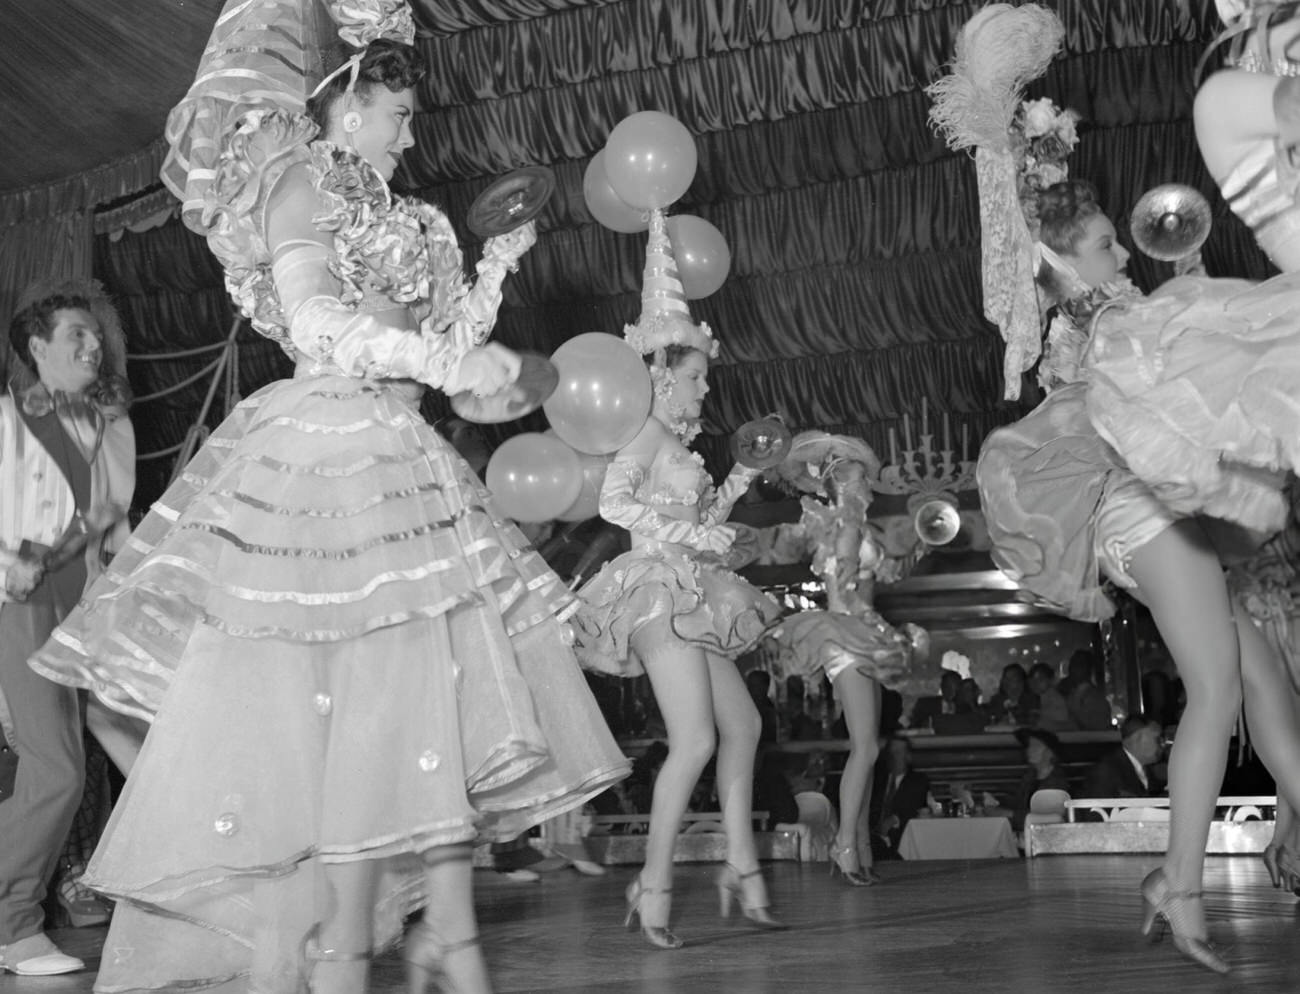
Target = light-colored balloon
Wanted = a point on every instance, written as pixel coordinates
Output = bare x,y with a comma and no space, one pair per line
702,255
604,394
650,159
534,477
587,504
604,203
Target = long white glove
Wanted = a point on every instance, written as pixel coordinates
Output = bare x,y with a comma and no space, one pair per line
619,506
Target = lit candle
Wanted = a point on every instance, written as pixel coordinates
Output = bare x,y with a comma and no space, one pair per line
925,417
965,431
893,448
907,433
947,434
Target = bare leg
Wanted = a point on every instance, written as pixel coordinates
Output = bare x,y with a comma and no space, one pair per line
339,961
739,727
1181,580
860,696
1270,708
445,944
679,676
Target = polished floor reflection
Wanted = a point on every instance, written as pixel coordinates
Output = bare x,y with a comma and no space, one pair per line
1060,923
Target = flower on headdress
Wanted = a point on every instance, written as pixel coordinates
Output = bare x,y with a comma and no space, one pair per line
1042,136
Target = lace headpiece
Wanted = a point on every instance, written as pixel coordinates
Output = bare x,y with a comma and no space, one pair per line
999,51
665,319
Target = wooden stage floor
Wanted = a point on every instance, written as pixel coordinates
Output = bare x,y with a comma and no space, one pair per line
1058,923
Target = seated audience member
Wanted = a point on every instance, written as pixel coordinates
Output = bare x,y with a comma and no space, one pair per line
969,717
759,683
772,790
945,702
899,793
1127,770
1088,706
803,724
1053,714
640,784
1044,770
1014,703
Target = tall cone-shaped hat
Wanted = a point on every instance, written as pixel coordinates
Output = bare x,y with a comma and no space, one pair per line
665,318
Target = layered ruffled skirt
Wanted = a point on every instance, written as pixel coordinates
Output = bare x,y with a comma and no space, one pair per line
347,655
1197,388
831,642
661,599
1062,508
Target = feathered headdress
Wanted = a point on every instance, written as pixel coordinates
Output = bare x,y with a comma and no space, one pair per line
665,319
1000,50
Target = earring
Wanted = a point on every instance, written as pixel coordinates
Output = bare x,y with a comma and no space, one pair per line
351,122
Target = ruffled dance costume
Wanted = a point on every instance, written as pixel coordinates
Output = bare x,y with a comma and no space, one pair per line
1194,391
666,591
1063,509
346,652
851,634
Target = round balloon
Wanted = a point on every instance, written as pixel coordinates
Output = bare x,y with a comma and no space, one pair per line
650,159
604,394
587,504
604,203
702,255
534,477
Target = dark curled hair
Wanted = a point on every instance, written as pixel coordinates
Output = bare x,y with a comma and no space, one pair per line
1063,213
391,64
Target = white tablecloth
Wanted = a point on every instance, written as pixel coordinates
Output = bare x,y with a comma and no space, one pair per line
958,838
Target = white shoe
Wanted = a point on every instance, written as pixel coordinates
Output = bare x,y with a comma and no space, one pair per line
588,869
37,956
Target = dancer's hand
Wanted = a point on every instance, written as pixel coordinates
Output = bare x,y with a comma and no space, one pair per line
486,370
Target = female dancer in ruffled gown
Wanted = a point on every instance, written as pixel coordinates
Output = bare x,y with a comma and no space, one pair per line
660,609
1065,509
849,642
353,666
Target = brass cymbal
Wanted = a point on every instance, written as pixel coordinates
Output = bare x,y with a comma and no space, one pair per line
1170,222
761,443
515,199
537,380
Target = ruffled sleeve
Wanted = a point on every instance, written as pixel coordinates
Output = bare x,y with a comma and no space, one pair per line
265,144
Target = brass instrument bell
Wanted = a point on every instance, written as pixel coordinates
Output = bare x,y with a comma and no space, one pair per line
1170,222
936,521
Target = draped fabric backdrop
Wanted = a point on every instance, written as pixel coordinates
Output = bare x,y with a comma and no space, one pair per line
854,288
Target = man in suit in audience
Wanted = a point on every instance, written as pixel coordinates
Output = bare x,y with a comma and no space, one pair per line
1128,771
900,792
945,702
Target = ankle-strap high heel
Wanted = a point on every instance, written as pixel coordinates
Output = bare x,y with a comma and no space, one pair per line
315,955
731,884
658,936
857,876
428,959
1162,906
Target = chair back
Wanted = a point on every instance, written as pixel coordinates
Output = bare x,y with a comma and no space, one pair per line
1049,801
815,808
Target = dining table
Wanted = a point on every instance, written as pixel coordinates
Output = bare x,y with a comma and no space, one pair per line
973,837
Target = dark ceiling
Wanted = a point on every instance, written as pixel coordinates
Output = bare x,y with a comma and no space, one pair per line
853,300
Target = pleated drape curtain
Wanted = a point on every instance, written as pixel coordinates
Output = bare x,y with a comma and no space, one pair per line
854,287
